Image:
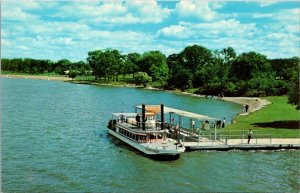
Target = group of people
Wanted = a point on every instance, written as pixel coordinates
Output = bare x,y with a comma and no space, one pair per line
221,123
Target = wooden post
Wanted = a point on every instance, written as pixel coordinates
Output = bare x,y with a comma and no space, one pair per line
162,121
143,117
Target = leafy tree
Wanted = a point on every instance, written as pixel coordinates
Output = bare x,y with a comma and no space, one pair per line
194,57
154,63
293,94
285,69
132,63
95,60
142,78
62,66
223,62
105,63
247,65
82,68
228,54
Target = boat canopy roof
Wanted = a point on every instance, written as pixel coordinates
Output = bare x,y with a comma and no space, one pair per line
124,114
156,109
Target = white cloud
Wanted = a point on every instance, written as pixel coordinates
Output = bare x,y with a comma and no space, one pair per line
266,3
280,36
56,40
200,9
129,12
148,11
178,31
285,17
17,14
27,5
227,28
288,16
50,30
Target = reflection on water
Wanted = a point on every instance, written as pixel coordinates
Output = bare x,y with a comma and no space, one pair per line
54,139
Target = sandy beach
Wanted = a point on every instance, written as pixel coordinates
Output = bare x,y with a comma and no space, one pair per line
254,103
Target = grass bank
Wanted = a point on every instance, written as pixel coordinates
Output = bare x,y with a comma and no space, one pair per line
279,119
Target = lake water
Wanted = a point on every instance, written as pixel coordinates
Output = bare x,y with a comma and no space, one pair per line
54,139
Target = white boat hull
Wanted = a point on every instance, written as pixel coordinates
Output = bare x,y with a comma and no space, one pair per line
149,148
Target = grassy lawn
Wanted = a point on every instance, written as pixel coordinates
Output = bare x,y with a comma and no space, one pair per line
279,119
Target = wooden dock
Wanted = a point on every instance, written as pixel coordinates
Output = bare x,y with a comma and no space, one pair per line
241,144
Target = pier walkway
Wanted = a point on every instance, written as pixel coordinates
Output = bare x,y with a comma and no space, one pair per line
241,144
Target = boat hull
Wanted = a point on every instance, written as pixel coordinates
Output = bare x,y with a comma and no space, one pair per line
159,154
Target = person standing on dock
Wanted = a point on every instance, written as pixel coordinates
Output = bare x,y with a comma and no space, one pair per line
193,125
223,123
250,133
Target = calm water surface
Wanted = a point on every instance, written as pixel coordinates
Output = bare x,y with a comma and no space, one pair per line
54,139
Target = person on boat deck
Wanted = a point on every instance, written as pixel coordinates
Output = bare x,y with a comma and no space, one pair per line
122,118
138,120
250,133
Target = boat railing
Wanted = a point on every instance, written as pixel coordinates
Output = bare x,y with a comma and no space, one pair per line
221,137
258,138
149,128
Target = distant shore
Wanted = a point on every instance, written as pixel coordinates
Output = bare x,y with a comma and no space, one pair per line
254,103
36,77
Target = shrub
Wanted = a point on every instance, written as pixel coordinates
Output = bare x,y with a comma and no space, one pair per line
142,78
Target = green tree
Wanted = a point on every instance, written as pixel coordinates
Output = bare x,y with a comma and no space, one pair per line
195,56
132,63
293,94
154,63
62,66
286,68
105,63
95,60
247,65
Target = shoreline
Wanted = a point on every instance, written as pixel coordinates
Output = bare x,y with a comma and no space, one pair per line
255,103
36,77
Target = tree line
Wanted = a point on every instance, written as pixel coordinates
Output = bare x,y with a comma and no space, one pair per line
209,72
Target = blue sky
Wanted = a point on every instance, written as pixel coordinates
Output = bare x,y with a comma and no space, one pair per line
69,29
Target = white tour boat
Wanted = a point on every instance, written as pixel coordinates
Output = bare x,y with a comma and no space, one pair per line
145,133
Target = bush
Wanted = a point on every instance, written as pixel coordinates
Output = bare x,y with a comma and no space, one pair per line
142,78
72,74
255,93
